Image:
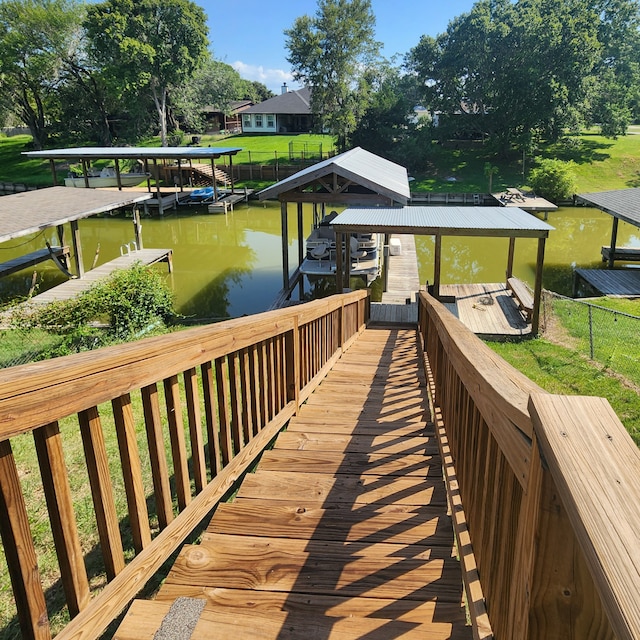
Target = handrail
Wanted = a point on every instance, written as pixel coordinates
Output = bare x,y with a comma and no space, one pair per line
227,389
548,487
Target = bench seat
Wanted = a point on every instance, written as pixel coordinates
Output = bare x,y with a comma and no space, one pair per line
522,295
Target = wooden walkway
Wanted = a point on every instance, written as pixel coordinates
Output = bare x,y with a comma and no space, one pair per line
399,304
72,288
342,532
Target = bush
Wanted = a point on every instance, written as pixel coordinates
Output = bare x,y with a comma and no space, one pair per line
553,180
130,302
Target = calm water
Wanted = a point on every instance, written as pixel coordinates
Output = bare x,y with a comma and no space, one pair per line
227,266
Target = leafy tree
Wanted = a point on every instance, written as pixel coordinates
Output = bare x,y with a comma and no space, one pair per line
517,71
34,36
552,179
389,121
215,84
255,91
331,52
147,46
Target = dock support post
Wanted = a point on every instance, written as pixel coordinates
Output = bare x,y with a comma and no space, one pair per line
137,227
437,256
285,245
77,248
339,274
612,247
512,248
537,290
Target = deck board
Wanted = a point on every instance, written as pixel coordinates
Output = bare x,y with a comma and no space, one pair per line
342,531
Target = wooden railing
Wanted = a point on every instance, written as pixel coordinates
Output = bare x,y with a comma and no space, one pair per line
545,491
228,389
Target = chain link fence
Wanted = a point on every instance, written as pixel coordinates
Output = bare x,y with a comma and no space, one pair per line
606,336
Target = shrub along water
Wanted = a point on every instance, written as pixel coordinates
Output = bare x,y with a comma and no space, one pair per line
123,307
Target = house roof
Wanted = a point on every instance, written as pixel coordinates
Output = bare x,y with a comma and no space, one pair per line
357,166
292,102
234,105
622,203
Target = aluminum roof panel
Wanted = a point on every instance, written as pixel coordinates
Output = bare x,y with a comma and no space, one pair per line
443,220
622,203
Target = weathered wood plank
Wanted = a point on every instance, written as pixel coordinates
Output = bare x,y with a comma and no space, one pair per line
288,565
343,489
55,482
20,553
405,525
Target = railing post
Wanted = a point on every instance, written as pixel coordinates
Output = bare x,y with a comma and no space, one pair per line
292,351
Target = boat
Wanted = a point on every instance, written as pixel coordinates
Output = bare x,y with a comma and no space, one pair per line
320,260
106,178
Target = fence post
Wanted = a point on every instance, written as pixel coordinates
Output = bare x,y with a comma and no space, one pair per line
591,331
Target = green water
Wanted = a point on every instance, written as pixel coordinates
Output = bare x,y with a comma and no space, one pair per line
227,266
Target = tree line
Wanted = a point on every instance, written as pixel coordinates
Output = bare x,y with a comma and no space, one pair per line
511,73
113,71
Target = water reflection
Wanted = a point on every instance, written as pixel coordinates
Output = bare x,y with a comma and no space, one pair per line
230,265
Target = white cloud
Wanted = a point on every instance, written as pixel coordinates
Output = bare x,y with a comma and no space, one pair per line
272,78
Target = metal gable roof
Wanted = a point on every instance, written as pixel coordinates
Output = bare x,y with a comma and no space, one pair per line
471,221
358,165
622,203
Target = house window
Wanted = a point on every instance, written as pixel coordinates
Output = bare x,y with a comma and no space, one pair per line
258,120
246,120
271,123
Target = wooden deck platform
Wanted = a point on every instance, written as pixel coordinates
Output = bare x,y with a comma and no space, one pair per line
31,259
72,288
341,533
399,304
623,283
489,310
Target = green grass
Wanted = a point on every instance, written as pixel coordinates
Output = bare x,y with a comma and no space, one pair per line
560,370
600,163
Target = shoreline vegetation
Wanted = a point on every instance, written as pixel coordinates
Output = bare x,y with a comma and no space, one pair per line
597,163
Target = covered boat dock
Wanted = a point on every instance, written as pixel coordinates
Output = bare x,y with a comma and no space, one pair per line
22,214
355,177
149,157
504,222
621,204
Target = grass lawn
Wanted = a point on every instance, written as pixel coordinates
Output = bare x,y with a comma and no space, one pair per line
600,163
560,370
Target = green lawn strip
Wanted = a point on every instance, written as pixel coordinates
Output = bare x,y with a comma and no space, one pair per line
562,371
599,163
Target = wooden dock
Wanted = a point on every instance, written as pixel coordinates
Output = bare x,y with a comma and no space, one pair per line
623,283
489,310
73,288
403,283
342,532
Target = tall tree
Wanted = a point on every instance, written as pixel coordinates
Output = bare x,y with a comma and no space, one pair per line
34,38
517,70
215,84
148,45
331,52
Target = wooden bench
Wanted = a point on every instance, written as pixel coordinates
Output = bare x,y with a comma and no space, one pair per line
522,295
31,259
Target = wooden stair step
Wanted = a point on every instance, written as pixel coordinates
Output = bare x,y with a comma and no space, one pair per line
222,599
331,568
408,525
385,444
358,464
146,617
321,422
343,488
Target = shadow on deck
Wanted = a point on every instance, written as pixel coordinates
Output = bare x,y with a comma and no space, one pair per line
342,531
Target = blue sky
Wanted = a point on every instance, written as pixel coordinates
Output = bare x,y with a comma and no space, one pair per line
248,34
